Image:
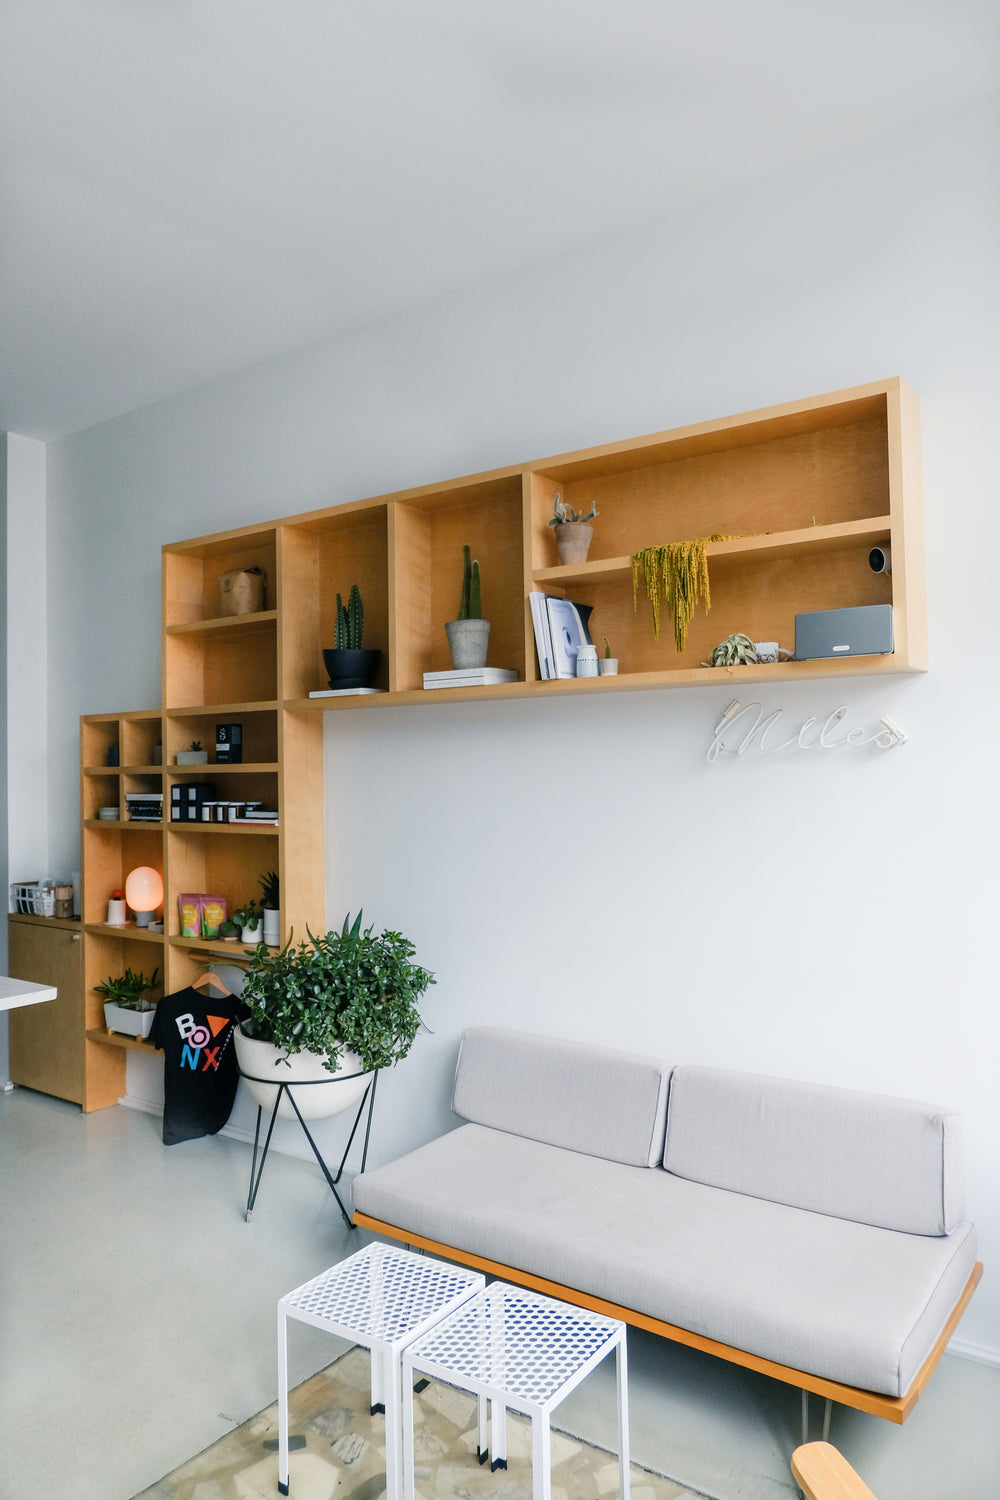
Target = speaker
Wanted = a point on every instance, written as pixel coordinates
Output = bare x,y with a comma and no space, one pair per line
865,631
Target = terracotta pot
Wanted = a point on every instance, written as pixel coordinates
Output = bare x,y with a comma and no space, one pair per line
573,539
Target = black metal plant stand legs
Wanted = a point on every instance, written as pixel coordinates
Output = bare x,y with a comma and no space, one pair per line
256,1173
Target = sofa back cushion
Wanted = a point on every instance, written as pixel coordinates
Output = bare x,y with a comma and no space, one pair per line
591,1099
877,1160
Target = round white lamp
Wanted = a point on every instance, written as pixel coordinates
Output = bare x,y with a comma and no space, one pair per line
144,893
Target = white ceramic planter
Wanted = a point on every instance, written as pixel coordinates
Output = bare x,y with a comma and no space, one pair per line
251,936
608,666
128,1022
272,927
326,1093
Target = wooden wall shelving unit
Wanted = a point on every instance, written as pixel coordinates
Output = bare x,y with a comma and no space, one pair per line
804,490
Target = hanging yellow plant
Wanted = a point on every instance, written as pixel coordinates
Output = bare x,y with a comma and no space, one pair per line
677,572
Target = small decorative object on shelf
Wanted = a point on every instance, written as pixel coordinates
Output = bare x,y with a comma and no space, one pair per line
678,572
126,1008
469,635
117,909
195,756
241,591
270,901
608,664
573,531
349,664
249,920
228,930
144,893
736,650
586,661
228,744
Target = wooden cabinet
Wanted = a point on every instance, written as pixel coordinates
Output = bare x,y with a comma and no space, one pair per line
49,1049
802,492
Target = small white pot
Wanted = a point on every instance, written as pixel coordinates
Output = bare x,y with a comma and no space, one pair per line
251,936
128,1022
608,666
323,1094
272,928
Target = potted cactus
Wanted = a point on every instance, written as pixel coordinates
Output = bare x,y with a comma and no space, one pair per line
469,635
348,663
573,531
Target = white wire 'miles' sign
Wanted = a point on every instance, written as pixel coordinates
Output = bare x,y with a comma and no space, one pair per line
743,725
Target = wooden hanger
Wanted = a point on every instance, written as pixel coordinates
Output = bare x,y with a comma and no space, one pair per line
210,977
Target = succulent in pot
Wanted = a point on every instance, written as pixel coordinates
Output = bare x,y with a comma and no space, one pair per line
348,663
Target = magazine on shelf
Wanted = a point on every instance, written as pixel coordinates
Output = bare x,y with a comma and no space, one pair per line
543,637
568,627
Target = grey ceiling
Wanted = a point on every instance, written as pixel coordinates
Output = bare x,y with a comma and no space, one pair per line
188,187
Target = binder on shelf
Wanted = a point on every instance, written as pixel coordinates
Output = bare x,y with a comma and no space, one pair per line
569,631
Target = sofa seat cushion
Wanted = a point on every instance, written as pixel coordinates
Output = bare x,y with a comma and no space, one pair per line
848,1301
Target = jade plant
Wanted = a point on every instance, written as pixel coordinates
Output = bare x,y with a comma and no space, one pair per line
349,991
350,624
471,605
129,989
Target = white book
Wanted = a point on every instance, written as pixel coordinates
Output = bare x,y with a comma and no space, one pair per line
567,624
344,692
543,636
469,677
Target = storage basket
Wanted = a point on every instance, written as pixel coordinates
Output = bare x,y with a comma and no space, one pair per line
31,899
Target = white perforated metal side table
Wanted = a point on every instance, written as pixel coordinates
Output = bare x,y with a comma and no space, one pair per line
519,1349
382,1298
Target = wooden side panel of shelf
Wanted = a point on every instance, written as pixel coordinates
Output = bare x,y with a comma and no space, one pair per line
49,1050
301,868
906,506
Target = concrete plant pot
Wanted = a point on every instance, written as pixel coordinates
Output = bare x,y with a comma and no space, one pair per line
468,641
573,538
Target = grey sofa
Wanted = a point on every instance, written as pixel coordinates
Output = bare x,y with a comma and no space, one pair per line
815,1233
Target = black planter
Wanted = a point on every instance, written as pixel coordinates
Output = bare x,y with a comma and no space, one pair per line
350,669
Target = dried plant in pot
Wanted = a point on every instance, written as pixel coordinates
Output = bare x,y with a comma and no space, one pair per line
340,1003
573,531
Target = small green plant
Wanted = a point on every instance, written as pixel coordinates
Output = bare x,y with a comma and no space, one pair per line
228,928
607,648
270,888
350,626
564,515
353,991
128,990
471,606
736,650
196,745
248,915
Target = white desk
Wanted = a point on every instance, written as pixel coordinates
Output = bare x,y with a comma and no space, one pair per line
15,992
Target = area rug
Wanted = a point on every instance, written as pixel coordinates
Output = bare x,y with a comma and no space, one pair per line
337,1452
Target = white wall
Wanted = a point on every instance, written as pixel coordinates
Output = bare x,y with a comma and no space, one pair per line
576,867
25,619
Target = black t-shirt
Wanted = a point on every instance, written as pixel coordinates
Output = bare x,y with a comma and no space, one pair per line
195,1031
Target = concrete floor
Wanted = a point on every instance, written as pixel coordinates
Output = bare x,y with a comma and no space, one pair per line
137,1326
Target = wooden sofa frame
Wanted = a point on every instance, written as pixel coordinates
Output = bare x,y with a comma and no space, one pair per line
891,1408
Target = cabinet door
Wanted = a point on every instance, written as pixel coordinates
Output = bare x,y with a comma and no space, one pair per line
47,1041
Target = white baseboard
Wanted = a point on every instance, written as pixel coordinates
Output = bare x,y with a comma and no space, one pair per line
980,1354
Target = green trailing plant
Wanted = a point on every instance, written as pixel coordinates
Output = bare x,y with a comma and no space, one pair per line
349,991
565,515
129,989
736,650
471,605
677,573
270,887
350,625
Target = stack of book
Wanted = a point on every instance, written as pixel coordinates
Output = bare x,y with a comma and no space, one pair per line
144,807
257,815
469,677
561,628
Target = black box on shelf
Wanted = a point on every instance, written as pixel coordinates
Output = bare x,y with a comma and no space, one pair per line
186,798
229,744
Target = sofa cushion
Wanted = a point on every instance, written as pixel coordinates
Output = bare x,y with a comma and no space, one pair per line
848,1301
888,1162
591,1099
